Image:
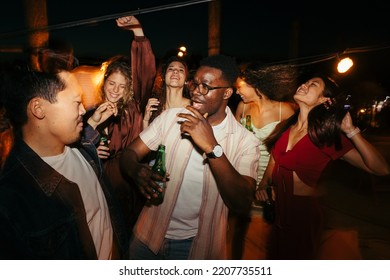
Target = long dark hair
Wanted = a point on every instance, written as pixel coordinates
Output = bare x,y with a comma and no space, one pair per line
324,120
159,88
277,82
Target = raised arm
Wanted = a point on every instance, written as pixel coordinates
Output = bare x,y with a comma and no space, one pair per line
365,155
131,23
143,62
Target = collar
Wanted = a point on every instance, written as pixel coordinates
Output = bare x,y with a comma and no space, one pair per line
44,175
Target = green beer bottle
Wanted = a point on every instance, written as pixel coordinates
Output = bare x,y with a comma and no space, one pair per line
248,123
104,139
159,168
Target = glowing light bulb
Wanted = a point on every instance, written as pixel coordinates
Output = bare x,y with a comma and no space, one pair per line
344,65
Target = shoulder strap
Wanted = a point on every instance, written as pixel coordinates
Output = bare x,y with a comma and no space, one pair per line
243,112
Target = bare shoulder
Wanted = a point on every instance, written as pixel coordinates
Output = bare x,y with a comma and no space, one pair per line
288,109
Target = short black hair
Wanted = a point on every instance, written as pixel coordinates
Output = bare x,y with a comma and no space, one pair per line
20,84
224,63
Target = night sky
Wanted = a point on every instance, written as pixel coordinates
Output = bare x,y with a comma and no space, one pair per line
250,29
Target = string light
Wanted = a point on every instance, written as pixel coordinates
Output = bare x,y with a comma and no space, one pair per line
182,51
102,18
344,64
298,61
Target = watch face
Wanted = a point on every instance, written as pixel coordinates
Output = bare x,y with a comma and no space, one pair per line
218,151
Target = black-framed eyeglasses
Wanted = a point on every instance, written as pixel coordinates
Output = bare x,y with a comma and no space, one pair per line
203,88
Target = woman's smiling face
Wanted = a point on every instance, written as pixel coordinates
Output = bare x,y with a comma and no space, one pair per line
114,87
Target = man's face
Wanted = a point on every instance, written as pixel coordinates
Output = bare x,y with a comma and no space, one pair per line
214,101
63,119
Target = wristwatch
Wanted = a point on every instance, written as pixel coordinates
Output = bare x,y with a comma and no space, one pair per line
216,153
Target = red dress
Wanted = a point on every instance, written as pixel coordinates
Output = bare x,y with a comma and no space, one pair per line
299,219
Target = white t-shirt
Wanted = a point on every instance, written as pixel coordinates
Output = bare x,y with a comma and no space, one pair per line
185,216
184,220
73,166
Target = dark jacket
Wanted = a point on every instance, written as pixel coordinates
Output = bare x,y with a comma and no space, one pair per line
42,213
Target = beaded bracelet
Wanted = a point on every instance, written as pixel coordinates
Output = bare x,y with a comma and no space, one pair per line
353,132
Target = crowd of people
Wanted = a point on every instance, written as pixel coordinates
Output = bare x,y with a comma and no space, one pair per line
66,194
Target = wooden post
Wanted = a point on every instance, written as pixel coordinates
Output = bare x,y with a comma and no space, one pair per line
36,17
214,36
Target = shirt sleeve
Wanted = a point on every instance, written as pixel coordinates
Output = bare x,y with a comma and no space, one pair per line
249,158
143,67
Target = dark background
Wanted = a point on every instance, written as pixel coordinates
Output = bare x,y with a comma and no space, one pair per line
249,28
305,33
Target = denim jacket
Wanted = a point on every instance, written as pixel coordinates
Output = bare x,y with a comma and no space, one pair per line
42,214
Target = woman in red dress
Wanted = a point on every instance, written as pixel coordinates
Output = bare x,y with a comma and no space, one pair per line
301,147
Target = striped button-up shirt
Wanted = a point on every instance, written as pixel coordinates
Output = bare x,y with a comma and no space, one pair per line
242,150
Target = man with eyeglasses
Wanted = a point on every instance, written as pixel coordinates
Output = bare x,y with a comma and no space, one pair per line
203,87
211,161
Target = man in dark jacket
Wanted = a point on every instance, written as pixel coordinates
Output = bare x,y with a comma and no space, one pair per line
55,202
